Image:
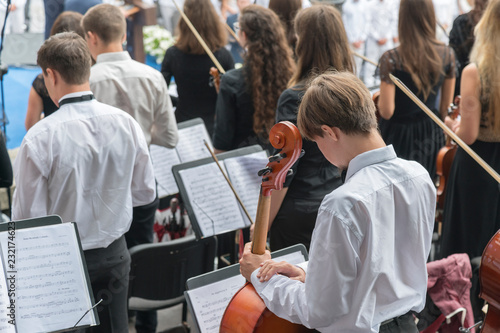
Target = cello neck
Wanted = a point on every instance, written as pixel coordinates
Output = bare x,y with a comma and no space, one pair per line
261,224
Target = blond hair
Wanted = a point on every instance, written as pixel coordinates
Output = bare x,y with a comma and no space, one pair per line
485,55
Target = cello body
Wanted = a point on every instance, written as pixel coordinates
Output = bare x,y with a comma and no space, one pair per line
489,278
246,311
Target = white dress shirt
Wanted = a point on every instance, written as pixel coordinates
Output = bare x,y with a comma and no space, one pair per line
138,89
368,253
88,163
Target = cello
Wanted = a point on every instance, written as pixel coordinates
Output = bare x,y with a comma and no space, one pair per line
489,278
246,311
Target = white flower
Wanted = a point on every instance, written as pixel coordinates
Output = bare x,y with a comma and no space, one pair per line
156,41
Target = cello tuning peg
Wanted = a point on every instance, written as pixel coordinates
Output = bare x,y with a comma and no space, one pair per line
302,153
262,172
289,172
277,157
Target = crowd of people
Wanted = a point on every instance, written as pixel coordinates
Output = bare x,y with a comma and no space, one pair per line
362,198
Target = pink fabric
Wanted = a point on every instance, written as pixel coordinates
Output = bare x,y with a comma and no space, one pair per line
449,288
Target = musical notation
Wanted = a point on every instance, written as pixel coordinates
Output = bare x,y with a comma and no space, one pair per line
210,301
216,208
50,280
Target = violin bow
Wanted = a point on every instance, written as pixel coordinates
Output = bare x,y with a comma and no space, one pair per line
232,33
445,128
229,182
200,40
364,58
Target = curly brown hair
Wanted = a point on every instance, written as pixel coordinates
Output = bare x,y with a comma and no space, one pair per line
268,63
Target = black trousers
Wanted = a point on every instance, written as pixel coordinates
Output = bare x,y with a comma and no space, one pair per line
401,324
109,270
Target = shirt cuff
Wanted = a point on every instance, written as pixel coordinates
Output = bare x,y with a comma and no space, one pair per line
259,286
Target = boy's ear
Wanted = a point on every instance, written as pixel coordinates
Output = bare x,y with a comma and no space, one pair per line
91,37
331,132
51,76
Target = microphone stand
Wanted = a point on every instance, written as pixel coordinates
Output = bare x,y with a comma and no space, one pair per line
3,70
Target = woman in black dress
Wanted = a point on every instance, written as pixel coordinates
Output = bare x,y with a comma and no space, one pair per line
322,44
471,213
427,67
189,64
246,104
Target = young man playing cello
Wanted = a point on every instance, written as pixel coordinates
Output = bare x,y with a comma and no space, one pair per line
367,267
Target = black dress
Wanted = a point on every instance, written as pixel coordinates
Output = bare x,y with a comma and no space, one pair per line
462,40
234,114
471,213
192,75
313,177
413,134
39,86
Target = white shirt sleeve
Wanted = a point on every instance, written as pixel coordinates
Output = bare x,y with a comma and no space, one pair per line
328,287
164,130
31,195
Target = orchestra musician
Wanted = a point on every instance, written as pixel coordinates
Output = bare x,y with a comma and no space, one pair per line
140,90
367,262
39,101
462,37
246,104
89,164
322,44
190,65
471,214
427,67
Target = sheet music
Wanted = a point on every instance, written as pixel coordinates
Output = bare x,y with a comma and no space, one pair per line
210,301
242,171
212,201
190,146
51,289
4,304
163,160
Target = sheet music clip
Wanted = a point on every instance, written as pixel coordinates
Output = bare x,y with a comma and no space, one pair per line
96,304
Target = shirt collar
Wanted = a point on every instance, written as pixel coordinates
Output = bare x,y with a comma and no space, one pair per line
370,157
113,56
75,94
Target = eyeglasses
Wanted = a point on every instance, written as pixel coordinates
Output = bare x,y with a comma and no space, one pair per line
236,27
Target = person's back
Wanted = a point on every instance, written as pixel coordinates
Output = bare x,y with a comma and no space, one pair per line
118,80
95,151
90,164
388,243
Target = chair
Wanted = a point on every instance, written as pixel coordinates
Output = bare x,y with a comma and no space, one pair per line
159,271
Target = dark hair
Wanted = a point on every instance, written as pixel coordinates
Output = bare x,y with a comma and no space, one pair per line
68,21
322,42
68,54
204,18
336,99
106,21
268,63
286,11
417,37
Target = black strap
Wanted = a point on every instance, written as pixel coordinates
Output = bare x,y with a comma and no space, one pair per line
83,98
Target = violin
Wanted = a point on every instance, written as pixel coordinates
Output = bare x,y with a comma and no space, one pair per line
445,157
489,279
246,311
214,72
